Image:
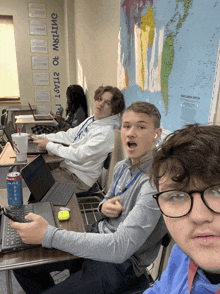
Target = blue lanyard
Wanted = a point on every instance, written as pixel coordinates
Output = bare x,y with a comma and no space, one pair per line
79,132
129,184
71,118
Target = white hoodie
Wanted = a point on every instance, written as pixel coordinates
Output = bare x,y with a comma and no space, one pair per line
89,144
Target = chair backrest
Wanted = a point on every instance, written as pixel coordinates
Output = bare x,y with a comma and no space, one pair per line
107,161
165,243
9,130
102,180
142,286
100,184
4,117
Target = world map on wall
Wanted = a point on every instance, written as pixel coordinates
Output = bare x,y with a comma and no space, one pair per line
169,56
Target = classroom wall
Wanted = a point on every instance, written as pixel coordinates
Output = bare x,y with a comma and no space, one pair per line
88,49
96,48
19,11
88,40
94,36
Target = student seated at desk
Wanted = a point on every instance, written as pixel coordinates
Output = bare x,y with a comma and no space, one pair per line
76,112
115,255
186,169
90,142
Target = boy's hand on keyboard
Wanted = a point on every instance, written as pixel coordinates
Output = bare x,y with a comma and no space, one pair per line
42,142
32,232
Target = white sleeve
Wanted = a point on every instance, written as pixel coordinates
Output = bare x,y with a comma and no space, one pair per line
99,143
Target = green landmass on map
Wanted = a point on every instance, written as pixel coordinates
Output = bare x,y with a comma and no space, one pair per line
167,63
186,11
168,52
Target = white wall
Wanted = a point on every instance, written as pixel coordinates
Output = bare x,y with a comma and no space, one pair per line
19,11
88,41
96,26
88,46
96,40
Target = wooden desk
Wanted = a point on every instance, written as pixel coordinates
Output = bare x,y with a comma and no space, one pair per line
8,158
19,110
28,120
39,255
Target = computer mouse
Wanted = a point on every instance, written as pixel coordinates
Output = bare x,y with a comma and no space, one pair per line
63,215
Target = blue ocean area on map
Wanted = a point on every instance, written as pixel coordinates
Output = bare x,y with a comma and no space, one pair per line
196,44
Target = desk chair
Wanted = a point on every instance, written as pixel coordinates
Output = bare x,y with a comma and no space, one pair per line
9,129
4,119
143,282
98,189
89,201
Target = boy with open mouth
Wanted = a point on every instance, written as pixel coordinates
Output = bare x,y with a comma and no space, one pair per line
115,255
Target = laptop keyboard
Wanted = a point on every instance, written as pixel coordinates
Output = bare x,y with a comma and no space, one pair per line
32,147
12,238
43,117
60,193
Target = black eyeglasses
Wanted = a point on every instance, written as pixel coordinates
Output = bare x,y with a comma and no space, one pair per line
176,203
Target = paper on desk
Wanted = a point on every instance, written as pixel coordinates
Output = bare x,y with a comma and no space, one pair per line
24,116
7,154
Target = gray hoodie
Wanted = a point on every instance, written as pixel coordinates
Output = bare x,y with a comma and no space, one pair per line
135,235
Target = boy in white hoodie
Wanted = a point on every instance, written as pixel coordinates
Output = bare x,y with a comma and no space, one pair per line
90,142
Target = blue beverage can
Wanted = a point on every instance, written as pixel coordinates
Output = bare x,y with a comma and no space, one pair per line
14,188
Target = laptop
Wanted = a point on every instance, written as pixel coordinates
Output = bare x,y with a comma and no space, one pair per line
43,187
39,117
33,148
9,239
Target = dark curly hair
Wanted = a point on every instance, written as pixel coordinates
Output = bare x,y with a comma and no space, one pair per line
189,153
76,98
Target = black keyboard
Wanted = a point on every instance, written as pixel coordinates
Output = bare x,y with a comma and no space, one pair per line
60,193
12,238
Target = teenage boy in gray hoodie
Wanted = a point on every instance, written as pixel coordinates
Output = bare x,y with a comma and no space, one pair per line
127,240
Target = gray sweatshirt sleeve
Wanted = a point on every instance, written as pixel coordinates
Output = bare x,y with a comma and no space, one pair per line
115,247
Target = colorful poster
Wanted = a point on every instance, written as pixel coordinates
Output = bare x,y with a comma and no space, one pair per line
169,56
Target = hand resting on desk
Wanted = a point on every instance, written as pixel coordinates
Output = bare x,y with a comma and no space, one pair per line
33,232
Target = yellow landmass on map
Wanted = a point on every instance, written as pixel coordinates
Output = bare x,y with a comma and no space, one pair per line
146,40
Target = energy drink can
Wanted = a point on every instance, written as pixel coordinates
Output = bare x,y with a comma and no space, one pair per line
14,188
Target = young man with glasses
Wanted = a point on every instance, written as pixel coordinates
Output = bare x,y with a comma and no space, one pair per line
186,171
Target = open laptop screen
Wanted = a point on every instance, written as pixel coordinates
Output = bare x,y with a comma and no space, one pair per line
40,117
38,177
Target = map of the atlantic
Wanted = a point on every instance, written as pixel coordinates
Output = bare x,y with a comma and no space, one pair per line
169,56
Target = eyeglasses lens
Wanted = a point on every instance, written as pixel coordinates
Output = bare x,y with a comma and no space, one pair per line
174,203
212,198
178,203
